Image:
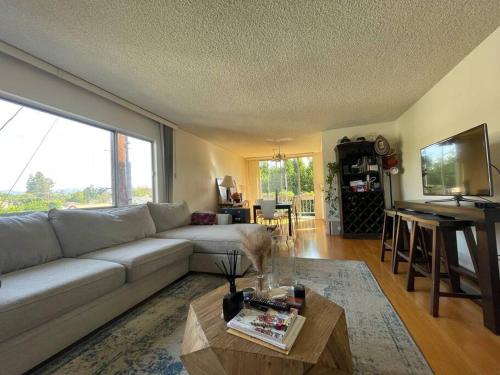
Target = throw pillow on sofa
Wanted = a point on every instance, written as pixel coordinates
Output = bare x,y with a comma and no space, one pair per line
83,231
26,240
169,215
203,218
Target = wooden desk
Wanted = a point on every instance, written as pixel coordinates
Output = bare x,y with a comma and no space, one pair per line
279,206
484,221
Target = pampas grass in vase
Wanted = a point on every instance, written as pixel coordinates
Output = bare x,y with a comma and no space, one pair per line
256,246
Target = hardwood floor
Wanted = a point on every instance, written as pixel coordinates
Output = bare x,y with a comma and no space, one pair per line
455,343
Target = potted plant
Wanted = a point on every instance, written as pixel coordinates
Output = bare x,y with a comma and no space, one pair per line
332,196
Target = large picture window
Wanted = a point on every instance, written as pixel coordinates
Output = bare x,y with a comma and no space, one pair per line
48,161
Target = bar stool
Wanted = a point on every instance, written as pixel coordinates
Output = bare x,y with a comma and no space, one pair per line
443,245
388,232
401,242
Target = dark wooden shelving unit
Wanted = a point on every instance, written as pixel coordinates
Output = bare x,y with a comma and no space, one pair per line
361,212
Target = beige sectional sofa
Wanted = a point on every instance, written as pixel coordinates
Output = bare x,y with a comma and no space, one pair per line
66,273
210,244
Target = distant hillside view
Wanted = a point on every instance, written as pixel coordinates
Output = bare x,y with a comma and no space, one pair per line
41,196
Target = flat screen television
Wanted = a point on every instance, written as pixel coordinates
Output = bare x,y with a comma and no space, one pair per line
459,165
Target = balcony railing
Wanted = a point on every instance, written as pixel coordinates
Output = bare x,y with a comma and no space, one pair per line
304,208
306,205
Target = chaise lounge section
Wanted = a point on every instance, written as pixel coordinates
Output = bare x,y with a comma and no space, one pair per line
210,244
67,273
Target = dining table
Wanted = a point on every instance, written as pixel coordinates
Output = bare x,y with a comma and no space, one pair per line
279,206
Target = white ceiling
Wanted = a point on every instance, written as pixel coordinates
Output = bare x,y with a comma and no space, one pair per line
240,72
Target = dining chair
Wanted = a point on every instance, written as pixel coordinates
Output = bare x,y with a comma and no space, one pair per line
269,213
258,213
296,208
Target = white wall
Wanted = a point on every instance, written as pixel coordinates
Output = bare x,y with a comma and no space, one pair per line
468,95
23,82
330,138
196,165
318,178
196,161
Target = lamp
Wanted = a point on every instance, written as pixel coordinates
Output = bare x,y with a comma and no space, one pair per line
228,183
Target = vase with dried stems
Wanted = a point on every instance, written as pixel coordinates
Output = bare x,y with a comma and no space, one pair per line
283,261
256,246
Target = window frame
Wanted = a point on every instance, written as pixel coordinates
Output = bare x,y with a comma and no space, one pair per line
115,163
114,131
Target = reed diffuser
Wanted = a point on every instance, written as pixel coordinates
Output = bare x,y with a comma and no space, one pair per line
229,272
232,302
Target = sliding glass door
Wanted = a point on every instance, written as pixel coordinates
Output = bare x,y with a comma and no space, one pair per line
289,179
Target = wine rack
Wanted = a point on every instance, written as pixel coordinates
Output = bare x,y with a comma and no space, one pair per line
361,208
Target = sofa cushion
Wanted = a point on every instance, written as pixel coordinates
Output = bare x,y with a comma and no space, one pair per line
83,231
215,239
169,215
141,258
35,295
25,241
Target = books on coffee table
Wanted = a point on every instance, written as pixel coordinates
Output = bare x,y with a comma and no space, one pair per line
277,329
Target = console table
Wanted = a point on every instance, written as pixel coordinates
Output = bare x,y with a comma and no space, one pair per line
239,214
488,271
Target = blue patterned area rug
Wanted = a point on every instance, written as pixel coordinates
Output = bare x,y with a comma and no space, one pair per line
147,338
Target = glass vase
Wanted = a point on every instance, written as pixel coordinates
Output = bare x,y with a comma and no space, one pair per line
283,261
260,285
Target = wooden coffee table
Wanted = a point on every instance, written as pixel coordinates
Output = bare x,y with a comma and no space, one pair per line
321,348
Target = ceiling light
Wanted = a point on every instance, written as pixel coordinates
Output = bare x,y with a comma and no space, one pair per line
278,156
